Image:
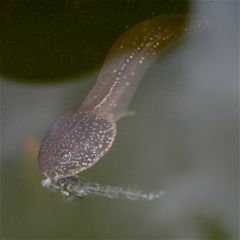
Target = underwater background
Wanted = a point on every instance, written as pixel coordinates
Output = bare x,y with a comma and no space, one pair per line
183,139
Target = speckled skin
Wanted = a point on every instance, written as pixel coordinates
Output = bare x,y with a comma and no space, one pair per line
128,60
74,143
82,136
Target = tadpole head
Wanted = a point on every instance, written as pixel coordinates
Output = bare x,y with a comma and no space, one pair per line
74,143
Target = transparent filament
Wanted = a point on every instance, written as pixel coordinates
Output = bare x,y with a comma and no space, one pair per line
73,186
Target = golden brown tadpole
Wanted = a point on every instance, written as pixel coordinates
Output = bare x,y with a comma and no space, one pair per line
85,134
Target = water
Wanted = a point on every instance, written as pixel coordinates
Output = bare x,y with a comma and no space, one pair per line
183,139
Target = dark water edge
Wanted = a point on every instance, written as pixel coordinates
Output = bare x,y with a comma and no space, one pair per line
49,41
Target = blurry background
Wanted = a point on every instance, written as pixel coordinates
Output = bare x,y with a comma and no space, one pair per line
183,138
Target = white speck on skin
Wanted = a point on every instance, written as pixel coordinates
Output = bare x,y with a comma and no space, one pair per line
141,60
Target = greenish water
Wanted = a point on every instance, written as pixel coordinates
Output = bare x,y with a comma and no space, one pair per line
183,138
52,40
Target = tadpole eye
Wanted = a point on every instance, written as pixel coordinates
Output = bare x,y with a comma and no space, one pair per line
64,157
